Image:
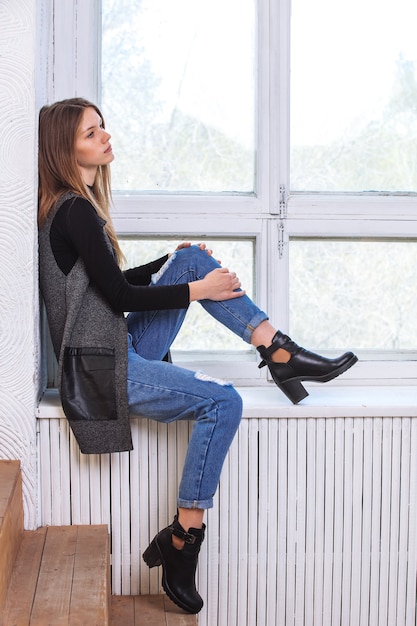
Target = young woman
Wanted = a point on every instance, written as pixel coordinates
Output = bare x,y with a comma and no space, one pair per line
109,365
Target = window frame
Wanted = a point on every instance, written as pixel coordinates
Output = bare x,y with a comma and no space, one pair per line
272,215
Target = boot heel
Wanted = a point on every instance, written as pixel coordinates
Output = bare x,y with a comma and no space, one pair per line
151,555
293,389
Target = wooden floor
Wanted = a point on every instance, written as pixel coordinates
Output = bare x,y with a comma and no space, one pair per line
148,611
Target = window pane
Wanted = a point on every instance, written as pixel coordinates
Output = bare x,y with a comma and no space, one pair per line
354,294
200,331
354,95
178,93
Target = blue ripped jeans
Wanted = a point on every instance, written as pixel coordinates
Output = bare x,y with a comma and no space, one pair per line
165,392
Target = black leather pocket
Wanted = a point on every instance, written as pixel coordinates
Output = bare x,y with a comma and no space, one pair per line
88,384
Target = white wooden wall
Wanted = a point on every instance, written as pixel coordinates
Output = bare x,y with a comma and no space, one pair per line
19,317
314,522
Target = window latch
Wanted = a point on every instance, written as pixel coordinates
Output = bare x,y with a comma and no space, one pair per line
282,215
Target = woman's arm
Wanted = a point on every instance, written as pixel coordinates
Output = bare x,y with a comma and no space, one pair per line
142,275
78,231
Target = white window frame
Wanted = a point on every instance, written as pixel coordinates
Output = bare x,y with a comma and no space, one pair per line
272,216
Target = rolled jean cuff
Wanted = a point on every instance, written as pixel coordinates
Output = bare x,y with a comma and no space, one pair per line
195,504
257,319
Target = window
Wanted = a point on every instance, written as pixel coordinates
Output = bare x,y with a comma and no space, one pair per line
178,97
354,96
334,278
308,176
353,145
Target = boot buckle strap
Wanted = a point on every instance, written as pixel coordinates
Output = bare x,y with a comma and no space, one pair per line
187,537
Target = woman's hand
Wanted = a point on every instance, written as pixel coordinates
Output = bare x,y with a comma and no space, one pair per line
187,244
219,284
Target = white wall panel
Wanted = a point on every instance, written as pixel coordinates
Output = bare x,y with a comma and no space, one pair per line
18,252
314,521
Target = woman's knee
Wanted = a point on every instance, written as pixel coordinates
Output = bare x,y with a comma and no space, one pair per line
224,402
232,406
197,257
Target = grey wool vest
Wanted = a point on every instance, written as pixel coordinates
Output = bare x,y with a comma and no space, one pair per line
90,343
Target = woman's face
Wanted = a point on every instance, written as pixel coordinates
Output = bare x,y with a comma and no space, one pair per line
92,147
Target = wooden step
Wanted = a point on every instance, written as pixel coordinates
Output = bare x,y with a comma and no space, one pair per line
11,520
61,576
148,611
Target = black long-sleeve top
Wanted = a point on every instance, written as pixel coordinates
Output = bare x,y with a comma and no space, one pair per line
77,231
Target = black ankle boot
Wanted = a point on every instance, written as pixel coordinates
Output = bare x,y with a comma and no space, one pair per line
303,365
178,566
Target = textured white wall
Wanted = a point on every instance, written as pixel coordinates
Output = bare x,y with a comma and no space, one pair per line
18,252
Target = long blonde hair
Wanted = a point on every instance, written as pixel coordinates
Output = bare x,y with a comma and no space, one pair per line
58,169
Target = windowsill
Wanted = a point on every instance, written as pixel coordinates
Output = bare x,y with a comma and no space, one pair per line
323,401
